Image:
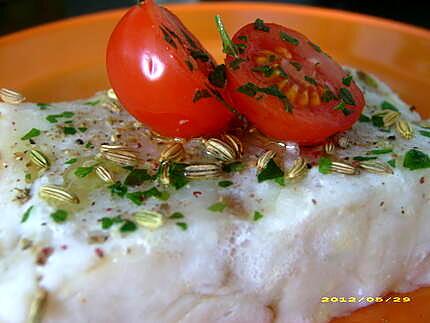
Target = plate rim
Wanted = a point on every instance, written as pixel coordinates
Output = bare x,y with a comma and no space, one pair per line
240,5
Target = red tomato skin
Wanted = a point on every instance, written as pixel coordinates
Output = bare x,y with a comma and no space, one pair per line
152,81
304,126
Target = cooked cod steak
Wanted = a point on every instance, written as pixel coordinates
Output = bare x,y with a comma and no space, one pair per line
89,234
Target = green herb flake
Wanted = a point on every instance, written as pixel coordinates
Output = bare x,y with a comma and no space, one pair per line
176,175
347,80
362,158
364,118
43,106
128,226
233,167
296,65
416,159
59,216
378,121
324,165
92,103
71,161
265,69
118,189
154,192
382,151
201,94
83,171
249,89
26,214
288,38
260,25
346,96
257,216
392,163
136,197
106,223
182,225
424,133
53,118
199,55
241,48
137,177
217,207
89,145
311,80
328,96
271,171
28,176
34,132
218,76
315,47
189,65
385,105
225,183
341,107
243,38
176,216
228,47
69,130
82,129
235,63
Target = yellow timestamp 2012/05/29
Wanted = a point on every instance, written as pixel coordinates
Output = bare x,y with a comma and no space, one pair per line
365,299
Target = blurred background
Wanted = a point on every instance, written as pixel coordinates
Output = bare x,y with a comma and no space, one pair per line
19,14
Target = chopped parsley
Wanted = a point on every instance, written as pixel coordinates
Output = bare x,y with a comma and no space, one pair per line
378,121
324,165
53,118
260,25
89,145
43,106
265,69
362,158
217,207
176,174
107,222
346,96
382,151
271,171
200,94
416,159
176,216
225,183
82,129
327,96
69,130
26,214
364,118
59,216
128,226
136,197
388,106
425,133
315,47
83,171
137,177
250,89
199,55
243,38
296,65
233,167
235,63
118,189
288,38
311,80
189,65
182,225
257,216
392,163
241,48
341,107
218,76
347,80
92,103
34,132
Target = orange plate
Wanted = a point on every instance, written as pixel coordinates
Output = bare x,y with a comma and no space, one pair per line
65,61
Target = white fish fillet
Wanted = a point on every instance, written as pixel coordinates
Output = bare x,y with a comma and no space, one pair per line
328,235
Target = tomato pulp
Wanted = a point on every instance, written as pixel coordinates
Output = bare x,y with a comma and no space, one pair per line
162,74
288,87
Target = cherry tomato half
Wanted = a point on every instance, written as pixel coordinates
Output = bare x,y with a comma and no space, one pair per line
288,87
160,72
